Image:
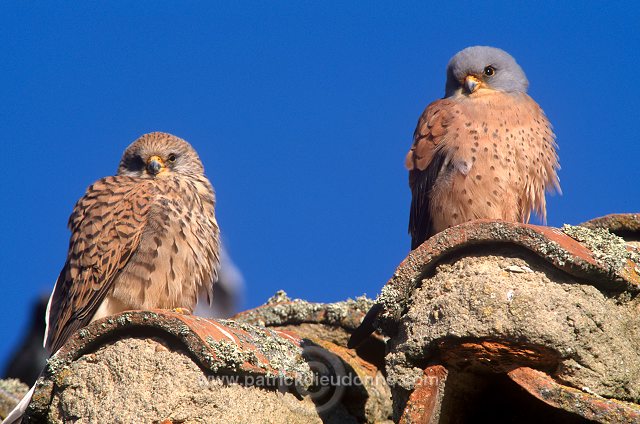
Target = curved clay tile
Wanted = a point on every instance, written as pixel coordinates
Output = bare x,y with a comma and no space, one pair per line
611,270
216,346
626,225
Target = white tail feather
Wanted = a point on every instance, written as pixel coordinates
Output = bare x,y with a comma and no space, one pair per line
15,416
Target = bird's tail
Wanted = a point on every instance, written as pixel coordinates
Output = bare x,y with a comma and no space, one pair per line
366,328
15,416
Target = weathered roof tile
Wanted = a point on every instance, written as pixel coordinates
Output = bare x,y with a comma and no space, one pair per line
625,225
551,244
493,298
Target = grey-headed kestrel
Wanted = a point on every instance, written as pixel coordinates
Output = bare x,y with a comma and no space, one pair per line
144,238
486,150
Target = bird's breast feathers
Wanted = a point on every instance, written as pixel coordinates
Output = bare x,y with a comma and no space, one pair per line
495,157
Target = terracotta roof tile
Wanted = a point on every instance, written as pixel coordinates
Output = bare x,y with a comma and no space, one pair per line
474,352
216,344
626,225
551,244
329,325
584,404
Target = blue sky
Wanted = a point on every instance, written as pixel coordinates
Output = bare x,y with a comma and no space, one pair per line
302,113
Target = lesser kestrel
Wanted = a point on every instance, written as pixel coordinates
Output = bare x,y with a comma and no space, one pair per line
486,150
144,238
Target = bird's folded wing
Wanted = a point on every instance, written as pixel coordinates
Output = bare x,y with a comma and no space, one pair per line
106,227
424,162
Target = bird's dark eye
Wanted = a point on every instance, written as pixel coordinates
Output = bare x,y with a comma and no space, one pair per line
133,162
489,71
171,158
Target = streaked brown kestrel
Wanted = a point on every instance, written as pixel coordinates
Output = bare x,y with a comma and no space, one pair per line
486,150
144,238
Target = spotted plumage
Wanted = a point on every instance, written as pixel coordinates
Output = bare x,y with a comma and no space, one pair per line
144,238
486,150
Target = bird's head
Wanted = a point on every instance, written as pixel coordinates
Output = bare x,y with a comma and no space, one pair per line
484,68
158,154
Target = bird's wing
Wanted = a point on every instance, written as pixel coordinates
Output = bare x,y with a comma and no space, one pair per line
106,227
424,162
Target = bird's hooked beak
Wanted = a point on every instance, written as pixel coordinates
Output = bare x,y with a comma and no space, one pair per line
155,165
472,83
